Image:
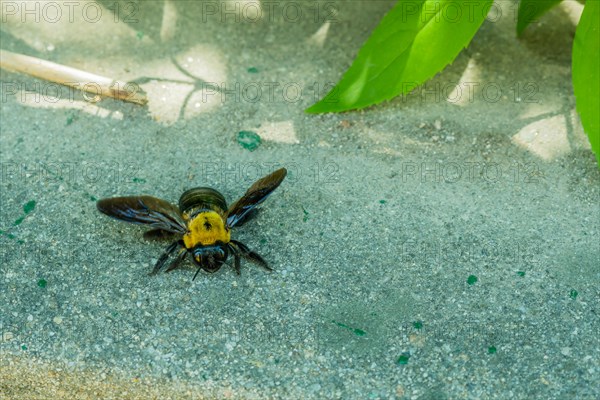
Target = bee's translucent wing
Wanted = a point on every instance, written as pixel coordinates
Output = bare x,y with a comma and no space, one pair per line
254,196
147,210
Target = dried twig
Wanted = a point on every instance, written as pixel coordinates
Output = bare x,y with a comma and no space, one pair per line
72,77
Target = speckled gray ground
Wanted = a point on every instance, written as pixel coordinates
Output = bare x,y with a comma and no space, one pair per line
385,215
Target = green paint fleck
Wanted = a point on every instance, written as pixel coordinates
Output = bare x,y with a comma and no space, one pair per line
381,201
403,359
305,218
139,180
492,350
23,347
252,70
70,119
573,294
8,235
359,332
92,198
42,283
18,221
521,273
140,35
356,331
418,324
248,140
29,207
20,241
471,279
263,241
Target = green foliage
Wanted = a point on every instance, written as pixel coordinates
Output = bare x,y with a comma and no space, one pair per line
418,38
413,42
531,10
586,71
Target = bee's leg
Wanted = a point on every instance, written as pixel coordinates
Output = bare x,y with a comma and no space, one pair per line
164,258
236,256
158,234
177,260
240,249
237,263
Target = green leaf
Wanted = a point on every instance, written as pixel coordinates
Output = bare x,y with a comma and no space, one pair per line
586,68
531,10
412,43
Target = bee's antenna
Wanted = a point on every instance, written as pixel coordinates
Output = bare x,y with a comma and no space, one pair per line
194,278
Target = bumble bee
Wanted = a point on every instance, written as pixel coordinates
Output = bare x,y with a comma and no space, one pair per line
202,221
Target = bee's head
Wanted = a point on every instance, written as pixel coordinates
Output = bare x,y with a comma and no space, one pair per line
210,258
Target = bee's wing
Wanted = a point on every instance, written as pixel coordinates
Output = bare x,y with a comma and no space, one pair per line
149,210
254,196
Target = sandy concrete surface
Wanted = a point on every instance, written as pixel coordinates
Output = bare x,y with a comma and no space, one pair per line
442,245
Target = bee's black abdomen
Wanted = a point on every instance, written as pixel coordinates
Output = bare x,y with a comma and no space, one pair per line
202,198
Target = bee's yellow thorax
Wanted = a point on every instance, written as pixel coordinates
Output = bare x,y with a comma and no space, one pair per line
206,228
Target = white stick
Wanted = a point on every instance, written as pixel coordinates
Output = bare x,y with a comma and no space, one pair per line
72,77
